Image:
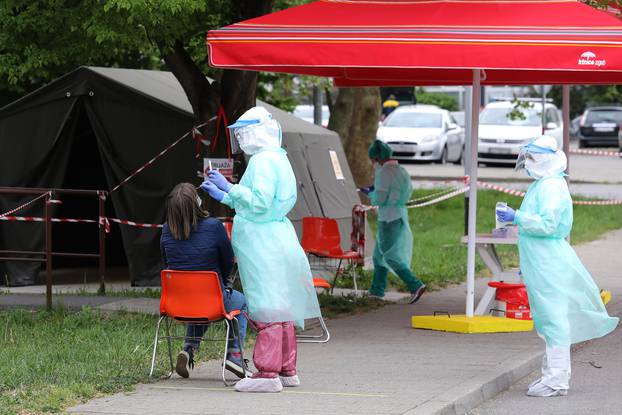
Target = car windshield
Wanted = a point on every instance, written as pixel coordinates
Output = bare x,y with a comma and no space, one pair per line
409,119
500,116
604,116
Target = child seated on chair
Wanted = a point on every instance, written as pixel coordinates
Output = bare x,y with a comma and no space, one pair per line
192,241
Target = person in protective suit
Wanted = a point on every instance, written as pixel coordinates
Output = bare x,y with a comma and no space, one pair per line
565,302
274,269
394,240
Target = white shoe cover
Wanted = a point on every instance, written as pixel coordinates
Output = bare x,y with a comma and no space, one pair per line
542,391
290,381
259,385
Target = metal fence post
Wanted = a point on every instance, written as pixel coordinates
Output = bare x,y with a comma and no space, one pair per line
102,243
48,252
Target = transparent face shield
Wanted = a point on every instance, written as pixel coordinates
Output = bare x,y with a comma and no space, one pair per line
523,156
241,132
527,153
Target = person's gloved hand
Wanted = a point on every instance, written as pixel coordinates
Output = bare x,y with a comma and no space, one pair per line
219,180
506,215
367,190
211,189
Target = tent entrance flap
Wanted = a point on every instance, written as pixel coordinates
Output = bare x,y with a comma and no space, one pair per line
84,171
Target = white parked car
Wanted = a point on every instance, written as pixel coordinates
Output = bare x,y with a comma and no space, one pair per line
306,113
500,137
423,132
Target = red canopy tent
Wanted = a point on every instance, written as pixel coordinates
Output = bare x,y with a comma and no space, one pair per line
432,42
423,42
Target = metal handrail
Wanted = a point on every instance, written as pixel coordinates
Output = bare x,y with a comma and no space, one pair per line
48,254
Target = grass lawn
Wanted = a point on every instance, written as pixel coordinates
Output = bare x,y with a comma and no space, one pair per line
52,360
438,256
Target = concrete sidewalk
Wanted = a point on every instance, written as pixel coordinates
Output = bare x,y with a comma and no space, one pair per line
376,364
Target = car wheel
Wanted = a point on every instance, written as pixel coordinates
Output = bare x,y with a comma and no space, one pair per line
443,158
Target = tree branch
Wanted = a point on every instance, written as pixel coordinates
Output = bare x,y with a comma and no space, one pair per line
194,82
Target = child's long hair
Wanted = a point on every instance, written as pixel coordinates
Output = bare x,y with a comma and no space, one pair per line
183,211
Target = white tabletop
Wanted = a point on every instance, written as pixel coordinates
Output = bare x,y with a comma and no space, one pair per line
486,238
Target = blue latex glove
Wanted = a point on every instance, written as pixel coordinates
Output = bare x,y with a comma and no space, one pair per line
366,190
211,189
219,180
506,215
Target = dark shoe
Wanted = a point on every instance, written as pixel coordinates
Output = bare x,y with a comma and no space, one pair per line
185,362
234,365
415,295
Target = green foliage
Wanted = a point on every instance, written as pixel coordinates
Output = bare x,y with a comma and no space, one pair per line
43,39
436,98
277,89
517,112
582,97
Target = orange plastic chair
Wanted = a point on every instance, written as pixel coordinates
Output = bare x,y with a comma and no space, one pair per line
228,227
193,297
320,237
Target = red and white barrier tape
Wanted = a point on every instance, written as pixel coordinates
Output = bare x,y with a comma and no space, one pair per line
103,221
596,153
136,224
522,194
431,196
160,154
39,219
500,189
454,193
10,212
597,202
446,194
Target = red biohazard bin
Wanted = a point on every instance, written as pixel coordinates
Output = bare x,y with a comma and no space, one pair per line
515,298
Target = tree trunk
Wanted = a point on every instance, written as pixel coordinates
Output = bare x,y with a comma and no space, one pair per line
235,92
355,117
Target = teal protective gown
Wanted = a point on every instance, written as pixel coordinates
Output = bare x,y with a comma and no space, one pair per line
394,239
273,267
565,302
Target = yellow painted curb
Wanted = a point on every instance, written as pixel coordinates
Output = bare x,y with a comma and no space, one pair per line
475,324
606,296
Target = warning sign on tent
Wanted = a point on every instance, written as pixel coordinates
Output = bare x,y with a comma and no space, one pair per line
224,166
336,166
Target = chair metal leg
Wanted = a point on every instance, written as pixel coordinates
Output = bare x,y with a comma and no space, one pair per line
170,346
224,358
155,346
315,338
354,274
239,337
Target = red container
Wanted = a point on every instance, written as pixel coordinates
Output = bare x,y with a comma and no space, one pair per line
515,298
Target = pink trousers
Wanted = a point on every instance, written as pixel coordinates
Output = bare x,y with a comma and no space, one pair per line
275,349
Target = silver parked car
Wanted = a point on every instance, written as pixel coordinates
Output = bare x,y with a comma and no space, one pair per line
423,132
500,136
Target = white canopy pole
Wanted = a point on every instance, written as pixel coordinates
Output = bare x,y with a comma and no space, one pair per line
475,104
467,150
566,121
